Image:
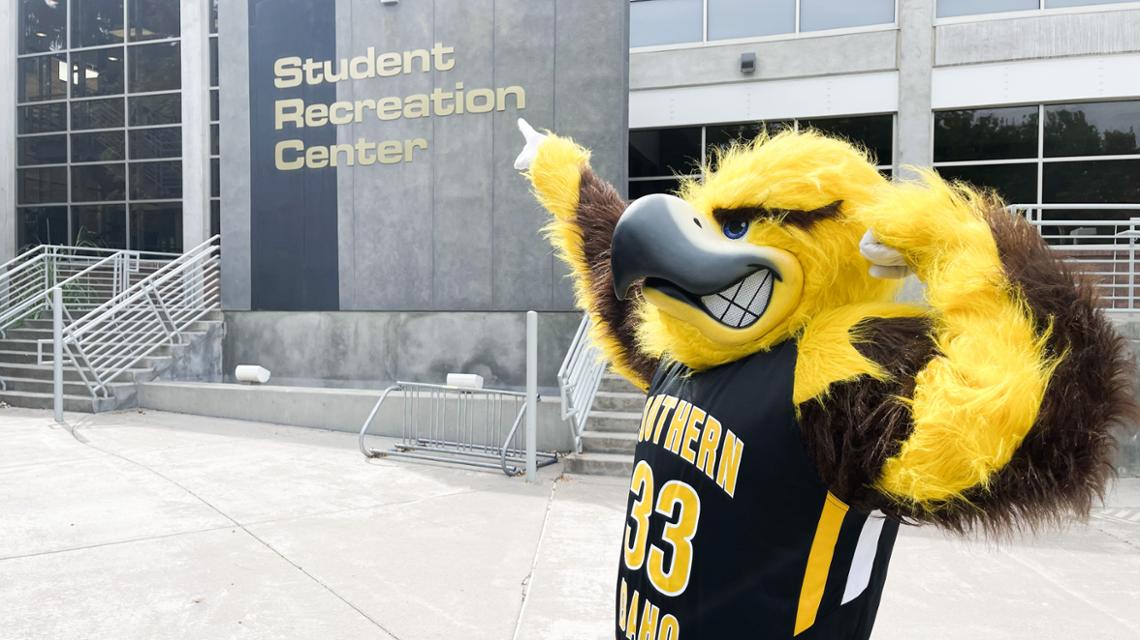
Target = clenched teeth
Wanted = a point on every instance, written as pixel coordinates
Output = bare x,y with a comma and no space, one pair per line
743,303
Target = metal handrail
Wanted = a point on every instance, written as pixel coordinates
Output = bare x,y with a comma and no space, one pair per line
113,337
1102,248
578,380
37,292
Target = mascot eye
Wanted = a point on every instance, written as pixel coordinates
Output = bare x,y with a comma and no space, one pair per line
735,229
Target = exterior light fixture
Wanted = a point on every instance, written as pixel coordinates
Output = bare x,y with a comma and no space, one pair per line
748,63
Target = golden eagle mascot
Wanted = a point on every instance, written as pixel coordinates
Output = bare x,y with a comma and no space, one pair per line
796,415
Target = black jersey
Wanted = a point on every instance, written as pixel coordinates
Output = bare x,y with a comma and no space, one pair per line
729,530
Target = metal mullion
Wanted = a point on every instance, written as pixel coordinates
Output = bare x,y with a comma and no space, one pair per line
94,98
140,127
972,163
87,203
127,82
163,92
797,31
1129,156
1040,146
70,77
41,134
705,25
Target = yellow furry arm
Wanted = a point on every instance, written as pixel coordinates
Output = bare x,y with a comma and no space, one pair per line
997,406
585,210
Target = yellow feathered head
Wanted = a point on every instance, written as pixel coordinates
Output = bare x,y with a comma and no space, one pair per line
751,251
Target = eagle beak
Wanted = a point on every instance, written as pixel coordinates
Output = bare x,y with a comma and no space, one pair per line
663,239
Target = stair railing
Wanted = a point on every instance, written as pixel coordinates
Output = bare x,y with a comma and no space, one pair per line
578,379
25,281
107,341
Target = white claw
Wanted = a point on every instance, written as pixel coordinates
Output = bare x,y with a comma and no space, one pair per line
886,262
530,150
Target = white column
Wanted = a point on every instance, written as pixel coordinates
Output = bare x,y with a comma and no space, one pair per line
195,122
8,24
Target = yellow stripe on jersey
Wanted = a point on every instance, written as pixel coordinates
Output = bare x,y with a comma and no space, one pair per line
819,562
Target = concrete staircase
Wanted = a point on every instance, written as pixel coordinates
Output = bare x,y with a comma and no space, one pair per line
27,384
611,431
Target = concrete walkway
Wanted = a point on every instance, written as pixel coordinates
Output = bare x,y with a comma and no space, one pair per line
155,525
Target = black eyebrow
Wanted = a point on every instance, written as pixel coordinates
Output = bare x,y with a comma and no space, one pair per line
798,218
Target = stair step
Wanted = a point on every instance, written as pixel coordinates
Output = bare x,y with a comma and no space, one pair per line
34,400
625,401
614,382
45,385
599,464
45,372
609,442
620,421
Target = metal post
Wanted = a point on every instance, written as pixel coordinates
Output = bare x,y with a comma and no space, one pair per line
57,351
531,395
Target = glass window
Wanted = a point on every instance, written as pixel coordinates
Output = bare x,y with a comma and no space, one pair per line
817,15
102,146
156,227
41,150
1099,181
165,142
876,133
985,134
97,182
950,8
42,118
97,114
214,150
215,178
215,105
153,19
215,217
156,180
160,109
45,184
653,22
1016,183
97,72
749,18
664,152
213,62
40,225
103,225
154,67
42,78
95,22
213,16
1092,129
42,26
638,188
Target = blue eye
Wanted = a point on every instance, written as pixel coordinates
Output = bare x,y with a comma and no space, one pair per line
735,229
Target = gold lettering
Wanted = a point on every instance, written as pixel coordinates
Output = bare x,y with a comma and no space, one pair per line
287,72
417,106
365,152
316,115
696,416
388,108
677,426
631,623
623,592
706,459
368,60
666,405
390,152
651,409
350,158
730,454
279,155
439,52
361,105
514,90
317,157
410,147
289,111
474,97
422,55
389,64
670,628
648,622
340,113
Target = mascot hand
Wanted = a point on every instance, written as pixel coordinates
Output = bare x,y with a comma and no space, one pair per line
886,263
530,151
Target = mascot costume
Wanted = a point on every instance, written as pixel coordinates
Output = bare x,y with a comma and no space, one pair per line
796,415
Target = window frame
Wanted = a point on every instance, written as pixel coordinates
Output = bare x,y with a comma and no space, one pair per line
797,34
1041,160
796,123
1041,10
127,46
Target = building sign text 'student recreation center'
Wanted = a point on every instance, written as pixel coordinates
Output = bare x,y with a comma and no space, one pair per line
291,114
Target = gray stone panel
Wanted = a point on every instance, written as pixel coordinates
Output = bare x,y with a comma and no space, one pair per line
456,229
914,126
386,221
233,78
8,133
1044,36
523,268
463,155
370,349
791,58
